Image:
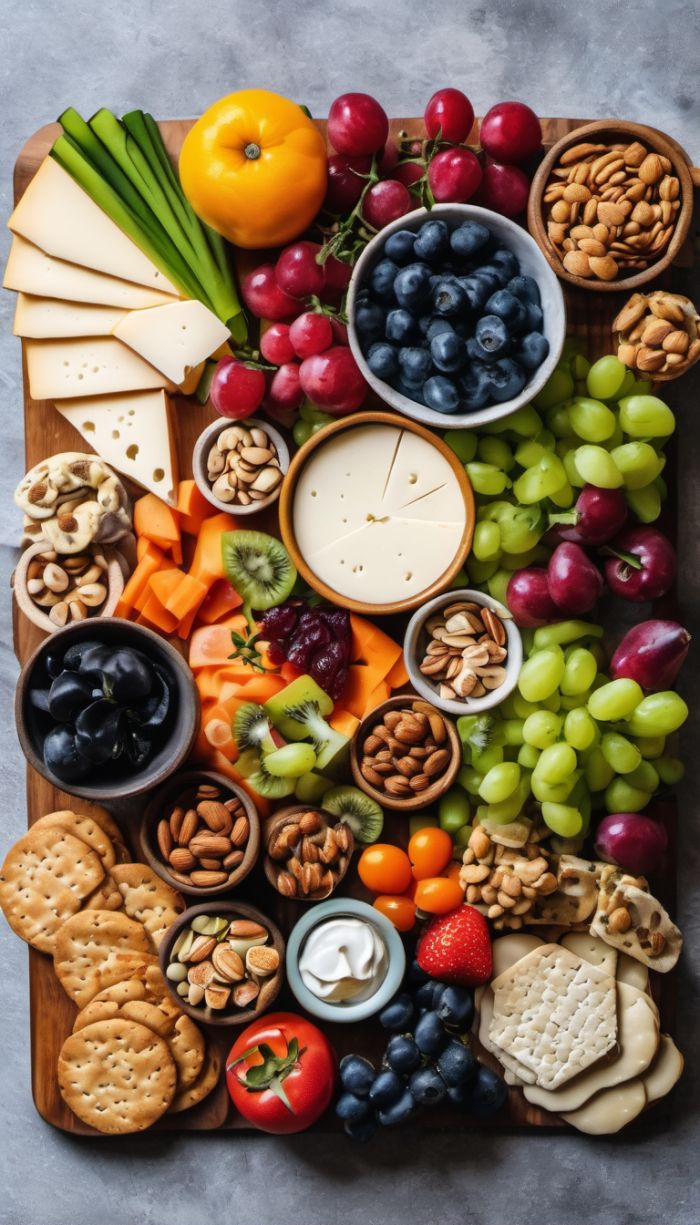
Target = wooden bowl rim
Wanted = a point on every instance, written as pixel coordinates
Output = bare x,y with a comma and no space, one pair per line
280,817
205,1016
286,510
154,810
422,799
116,565
659,143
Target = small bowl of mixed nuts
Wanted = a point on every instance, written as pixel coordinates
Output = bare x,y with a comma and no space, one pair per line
239,465
223,962
405,754
200,833
54,589
307,852
658,334
463,651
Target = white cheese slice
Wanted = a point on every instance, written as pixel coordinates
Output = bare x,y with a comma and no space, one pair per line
610,1110
131,432
666,1069
64,221
50,319
30,270
101,365
173,338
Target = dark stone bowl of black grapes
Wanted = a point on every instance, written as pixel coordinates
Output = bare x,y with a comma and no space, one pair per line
106,709
455,317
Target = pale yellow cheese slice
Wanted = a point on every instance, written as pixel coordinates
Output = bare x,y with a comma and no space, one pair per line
52,319
30,270
173,338
64,221
509,949
609,1111
666,1069
100,365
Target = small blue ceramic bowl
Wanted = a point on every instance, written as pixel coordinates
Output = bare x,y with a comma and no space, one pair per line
387,989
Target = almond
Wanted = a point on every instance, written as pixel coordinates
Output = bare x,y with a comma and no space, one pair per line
216,815
206,843
188,827
241,831
246,929
181,859
202,948
577,263
164,838
206,879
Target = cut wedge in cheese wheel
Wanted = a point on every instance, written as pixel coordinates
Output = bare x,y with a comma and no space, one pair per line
132,432
51,319
665,1071
638,1038
63,220
594,950
608,1112
509,949
420,483
173,338
102,365
30,270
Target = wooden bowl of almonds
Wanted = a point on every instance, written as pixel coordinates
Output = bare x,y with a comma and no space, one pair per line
611,204
463,651
657,335
54,589
307,852
405,754
239,466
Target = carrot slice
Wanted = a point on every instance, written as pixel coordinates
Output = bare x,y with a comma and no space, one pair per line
163,583
192,507
186,598
376,697
146,548
362,681
211,644
154,615
147,566
373,646
398,677
207,563
222,599
156,520
260,688
344,722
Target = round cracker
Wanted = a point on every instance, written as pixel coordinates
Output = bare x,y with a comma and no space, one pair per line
45,877
82,826
107,823
117,1076
147,898
105,897
185,1041
96,948
202,1087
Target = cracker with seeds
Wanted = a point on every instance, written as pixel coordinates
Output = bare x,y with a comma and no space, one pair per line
185,1041
555,1013
44,880
82,826
117,1076
96,948
147,898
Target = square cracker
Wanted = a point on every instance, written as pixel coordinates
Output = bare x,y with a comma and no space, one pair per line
44,879
147,898
96,948
555,1013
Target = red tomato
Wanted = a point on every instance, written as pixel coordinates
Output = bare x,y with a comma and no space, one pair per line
400,911
384,868
430,851
438,895
300,1079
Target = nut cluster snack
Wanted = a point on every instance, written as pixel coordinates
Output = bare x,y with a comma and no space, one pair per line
221,962
657,334
406,751
310,855
68,588
611,209
506,881
466,650
243,465
202,837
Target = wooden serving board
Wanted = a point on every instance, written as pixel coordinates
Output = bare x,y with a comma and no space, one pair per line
51,1012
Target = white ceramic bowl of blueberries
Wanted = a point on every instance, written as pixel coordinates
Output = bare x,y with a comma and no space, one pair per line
455,317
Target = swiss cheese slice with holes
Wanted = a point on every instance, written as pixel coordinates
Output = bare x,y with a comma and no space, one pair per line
99,365
30,270
173,338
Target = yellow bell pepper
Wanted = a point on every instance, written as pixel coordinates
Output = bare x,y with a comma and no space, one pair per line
254,168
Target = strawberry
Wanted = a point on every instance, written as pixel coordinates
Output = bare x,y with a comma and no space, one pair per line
456,948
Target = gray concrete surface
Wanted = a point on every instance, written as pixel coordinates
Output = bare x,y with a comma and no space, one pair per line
635,60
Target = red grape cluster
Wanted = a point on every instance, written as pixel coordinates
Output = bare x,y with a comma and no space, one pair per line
315,641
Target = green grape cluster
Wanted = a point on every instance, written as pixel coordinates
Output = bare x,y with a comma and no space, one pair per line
311,419
569,740
590,425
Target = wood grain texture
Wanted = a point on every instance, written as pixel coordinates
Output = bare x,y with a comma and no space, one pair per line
51,1012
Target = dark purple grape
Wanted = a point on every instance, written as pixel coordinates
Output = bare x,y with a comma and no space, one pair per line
338,622
300,653
275,653
153,712
62,756
311,629
99,732
69,693
327,667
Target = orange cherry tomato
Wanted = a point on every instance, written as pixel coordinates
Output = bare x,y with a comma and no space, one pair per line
384,868
438,895
453,869
429,850
401,911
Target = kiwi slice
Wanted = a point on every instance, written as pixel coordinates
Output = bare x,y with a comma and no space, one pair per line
251,728
272,787
260,569
362,814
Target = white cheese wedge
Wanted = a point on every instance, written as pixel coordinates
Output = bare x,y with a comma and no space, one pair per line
173,338
64,221
101,365
421,483
30,270
131,432
51,319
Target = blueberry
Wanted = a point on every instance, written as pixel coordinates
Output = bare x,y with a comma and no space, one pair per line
506,262
383,360
532,350
488,1093
427,1087
400,326
525,288
432,241
399,247
507,379
441,394
429,993
475,290
412,286
424,323
382,279
399,1111
412,391
492,275
475,387
386,1088
416,976
456,1064
352,1108
398,1014
456,1007
469,237
369,322
402,1054
363,1130
477,353
448,352
449,297
430,1034
414,365
437,327
508,308
459,1095
492,334
356,1074
534,319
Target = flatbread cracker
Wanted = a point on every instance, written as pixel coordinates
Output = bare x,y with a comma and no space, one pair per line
202,1087
147,898
45,877
105,897
117,1076
96,948
82,826
185,1041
